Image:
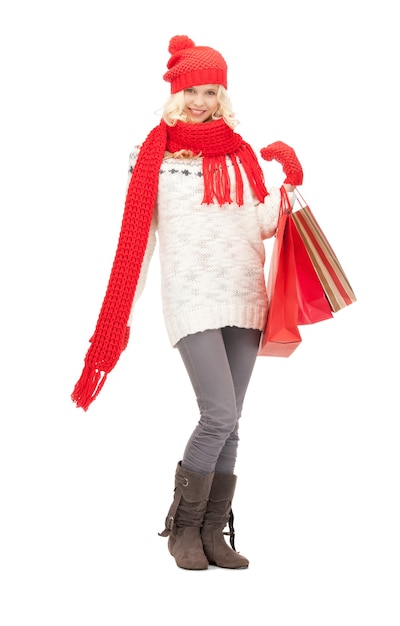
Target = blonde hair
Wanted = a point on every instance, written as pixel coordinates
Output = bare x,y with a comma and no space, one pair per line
174,110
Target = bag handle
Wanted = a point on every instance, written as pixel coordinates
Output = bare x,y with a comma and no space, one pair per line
286,206
300,198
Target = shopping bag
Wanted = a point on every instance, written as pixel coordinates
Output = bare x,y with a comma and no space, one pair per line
330,272
281,336
313,305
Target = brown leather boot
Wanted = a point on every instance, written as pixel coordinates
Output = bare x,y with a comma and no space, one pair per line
218,514
185,517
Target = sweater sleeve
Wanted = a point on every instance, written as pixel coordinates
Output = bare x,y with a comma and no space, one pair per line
268,211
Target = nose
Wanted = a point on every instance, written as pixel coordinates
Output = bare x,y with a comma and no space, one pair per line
198,100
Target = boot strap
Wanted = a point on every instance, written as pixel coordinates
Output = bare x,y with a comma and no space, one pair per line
231,532
170,519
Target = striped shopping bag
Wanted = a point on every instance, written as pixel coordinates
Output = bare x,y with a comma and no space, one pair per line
330,272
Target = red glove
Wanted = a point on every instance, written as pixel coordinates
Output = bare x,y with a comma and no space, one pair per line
286,156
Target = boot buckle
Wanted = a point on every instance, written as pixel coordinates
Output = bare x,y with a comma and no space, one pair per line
169,524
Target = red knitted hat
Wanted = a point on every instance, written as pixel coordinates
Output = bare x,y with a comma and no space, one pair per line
194,65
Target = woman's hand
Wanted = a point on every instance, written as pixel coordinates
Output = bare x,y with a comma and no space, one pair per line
289,187
286,156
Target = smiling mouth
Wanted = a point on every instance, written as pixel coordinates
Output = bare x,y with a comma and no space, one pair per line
196,111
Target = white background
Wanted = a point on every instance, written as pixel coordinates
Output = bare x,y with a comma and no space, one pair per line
83,495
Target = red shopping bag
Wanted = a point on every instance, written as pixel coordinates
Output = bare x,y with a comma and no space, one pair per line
281,336
330,272
312,302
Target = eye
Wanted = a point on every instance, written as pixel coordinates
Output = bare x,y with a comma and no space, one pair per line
211,93
189,90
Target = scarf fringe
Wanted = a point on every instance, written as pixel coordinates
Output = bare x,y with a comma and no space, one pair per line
92,380
253,171
216,180
239,181
88,387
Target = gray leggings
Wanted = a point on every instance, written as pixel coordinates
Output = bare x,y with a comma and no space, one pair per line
219,363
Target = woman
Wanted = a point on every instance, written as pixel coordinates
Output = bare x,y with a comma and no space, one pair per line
197,185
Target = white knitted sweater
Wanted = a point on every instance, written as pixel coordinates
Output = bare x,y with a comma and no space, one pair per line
212,257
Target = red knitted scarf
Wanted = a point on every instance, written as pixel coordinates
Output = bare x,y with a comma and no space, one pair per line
213,140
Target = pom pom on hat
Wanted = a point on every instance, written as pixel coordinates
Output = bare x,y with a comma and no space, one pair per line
194,65
180,42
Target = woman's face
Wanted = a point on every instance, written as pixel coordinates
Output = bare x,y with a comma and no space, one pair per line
201,102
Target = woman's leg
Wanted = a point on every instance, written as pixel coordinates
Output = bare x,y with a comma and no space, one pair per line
241,346
219,364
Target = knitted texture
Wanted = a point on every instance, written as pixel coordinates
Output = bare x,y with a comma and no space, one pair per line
214,141
286,156
111,334
211,257
191,65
